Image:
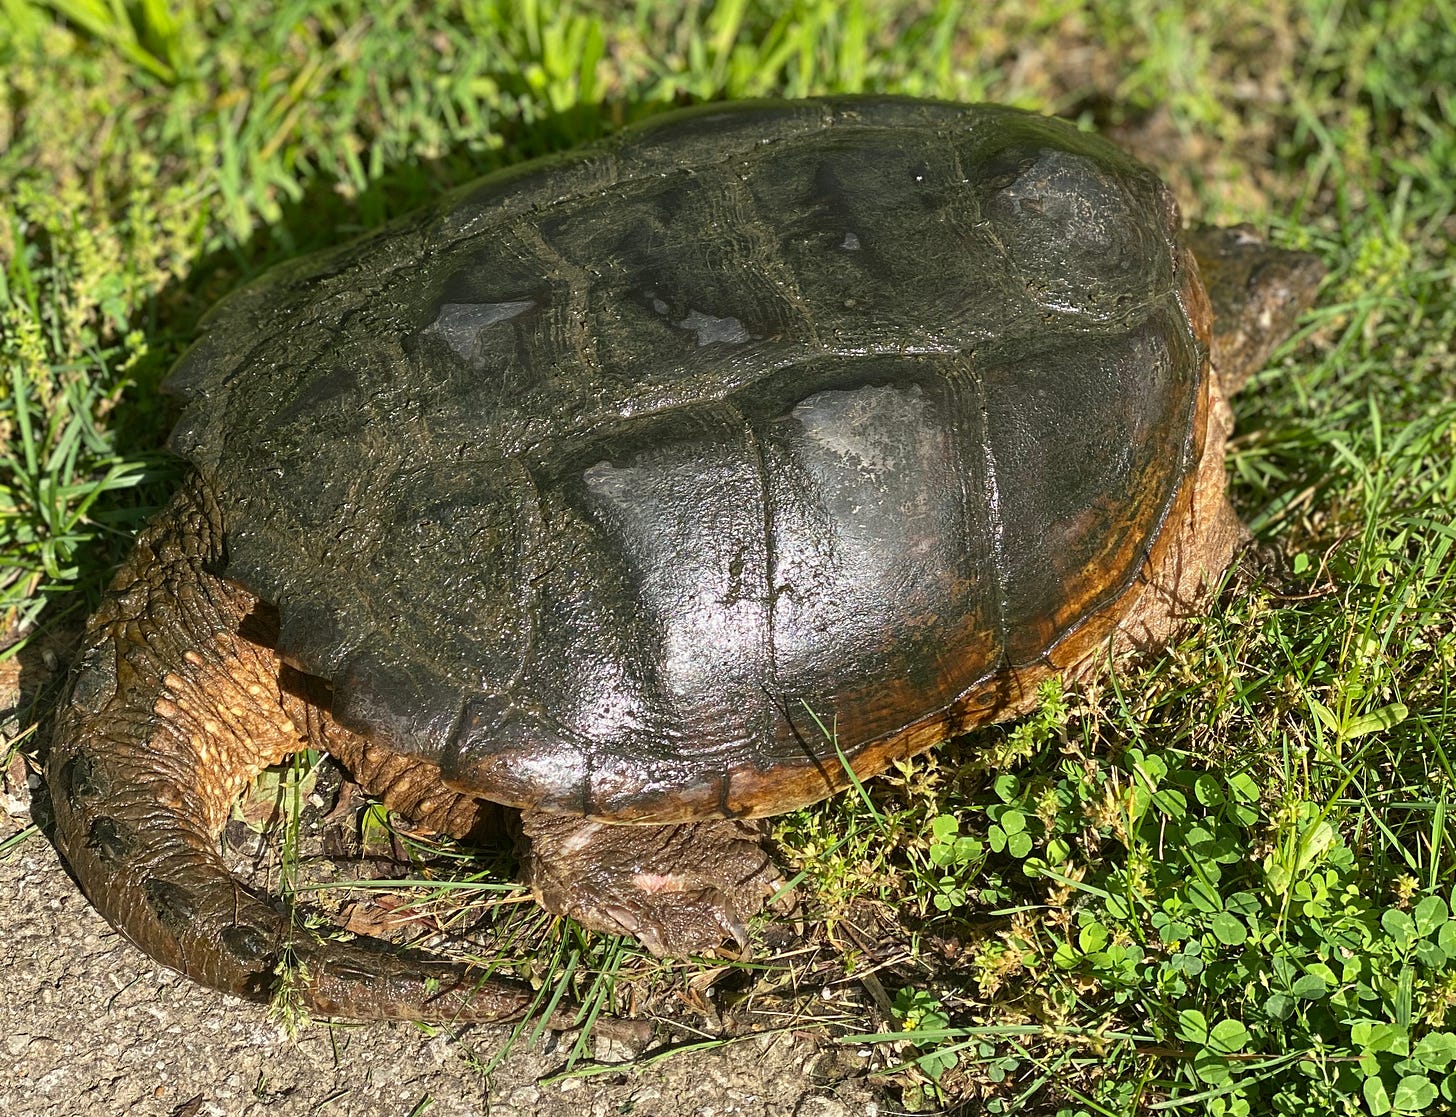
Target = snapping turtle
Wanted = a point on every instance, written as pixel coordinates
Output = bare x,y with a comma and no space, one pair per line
596,488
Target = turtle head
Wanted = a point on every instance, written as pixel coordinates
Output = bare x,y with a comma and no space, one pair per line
1257,292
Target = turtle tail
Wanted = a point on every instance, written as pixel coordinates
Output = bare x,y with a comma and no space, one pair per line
170,712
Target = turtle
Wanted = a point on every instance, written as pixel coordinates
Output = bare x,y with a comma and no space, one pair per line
648,490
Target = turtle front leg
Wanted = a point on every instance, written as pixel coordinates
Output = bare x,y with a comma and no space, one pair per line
680,890
172,709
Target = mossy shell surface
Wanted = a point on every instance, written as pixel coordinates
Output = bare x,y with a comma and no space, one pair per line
612,482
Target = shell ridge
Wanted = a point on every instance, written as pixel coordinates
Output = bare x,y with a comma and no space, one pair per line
578,281
991,494
768,684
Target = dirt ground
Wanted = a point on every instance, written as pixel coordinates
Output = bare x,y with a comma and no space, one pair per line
91,1026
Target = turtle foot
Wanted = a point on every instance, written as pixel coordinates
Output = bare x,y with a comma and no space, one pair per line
680,890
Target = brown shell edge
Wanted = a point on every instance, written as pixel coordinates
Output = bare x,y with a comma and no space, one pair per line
1199,538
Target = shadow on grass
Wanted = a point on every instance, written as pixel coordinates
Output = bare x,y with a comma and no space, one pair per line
327,213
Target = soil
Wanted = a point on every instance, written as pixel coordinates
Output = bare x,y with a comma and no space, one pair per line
90,1025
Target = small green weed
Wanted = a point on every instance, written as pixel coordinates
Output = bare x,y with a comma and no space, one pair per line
917,1012
957,857
1220,883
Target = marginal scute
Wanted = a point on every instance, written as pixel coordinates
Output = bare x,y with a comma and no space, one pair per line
410,710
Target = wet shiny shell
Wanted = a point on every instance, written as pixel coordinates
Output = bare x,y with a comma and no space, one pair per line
613,481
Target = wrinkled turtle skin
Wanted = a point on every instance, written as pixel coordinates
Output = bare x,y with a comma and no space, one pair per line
594,489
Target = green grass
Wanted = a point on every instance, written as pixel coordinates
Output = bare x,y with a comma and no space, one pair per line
1218,882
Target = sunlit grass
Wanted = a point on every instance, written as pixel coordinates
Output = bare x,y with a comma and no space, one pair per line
1218,882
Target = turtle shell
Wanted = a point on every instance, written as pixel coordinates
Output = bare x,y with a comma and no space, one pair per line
671,477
